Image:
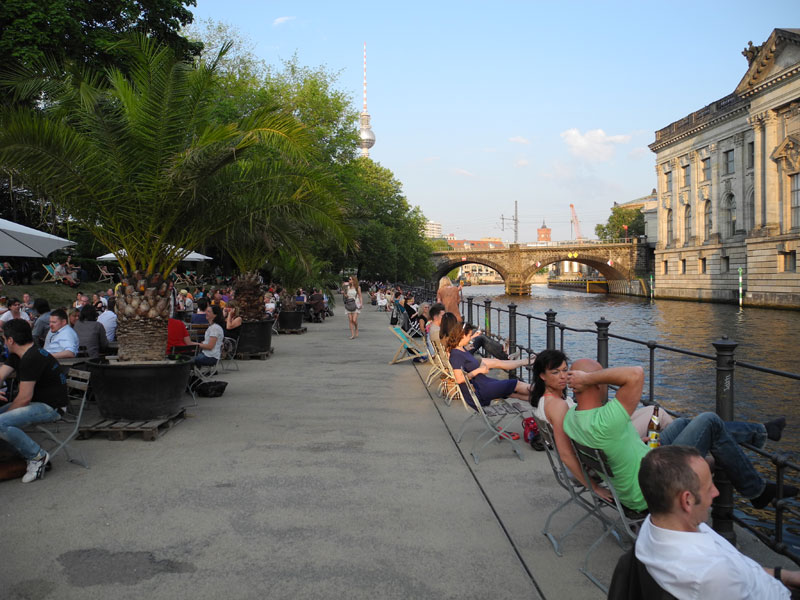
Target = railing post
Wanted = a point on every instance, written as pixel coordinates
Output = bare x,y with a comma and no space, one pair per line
551,329
512,328
602,341
722,507
487,326
469,310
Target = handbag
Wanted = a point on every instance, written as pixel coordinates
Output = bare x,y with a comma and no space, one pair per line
393,318
211,389
349,303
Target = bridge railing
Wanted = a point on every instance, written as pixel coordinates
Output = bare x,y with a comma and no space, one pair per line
525,333
555,244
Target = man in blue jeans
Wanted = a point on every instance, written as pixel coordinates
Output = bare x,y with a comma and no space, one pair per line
42,393
607,426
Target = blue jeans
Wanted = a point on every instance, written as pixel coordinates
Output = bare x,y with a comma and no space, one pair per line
708,433
204,361
12,420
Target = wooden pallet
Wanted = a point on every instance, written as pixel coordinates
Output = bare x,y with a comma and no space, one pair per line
120,429
255,355
300,330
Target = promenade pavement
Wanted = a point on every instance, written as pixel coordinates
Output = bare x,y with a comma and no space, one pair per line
322,472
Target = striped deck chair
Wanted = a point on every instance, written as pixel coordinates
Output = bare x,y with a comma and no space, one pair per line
49,273
448,388
408,346
491,417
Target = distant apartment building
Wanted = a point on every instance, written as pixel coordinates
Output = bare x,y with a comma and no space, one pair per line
728,193
433,229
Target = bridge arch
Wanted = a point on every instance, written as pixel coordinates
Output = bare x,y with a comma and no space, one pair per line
444,268
598,263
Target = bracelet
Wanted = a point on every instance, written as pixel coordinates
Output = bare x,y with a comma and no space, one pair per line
777,573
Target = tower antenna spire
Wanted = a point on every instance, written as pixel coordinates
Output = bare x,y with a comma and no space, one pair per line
367,138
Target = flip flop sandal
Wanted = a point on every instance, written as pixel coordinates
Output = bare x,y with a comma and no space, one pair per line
511,434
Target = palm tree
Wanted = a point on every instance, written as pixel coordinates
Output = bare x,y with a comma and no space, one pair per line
137,159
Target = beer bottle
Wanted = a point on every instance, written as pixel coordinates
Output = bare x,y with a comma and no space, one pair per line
652,430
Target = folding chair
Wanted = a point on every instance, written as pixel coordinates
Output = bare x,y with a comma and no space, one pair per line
492,417
618,520
448,388
49,274
229,348
105,274
63,431
576,490
437,368
407,345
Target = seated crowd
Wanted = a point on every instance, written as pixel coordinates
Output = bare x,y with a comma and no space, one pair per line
678,503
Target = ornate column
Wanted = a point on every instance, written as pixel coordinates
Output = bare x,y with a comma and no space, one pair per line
715,156
697,214
759,207
771,191
739,180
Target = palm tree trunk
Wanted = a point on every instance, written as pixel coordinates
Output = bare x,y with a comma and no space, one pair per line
142,315
249,297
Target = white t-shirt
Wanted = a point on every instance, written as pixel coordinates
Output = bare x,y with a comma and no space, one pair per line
703,565
214,331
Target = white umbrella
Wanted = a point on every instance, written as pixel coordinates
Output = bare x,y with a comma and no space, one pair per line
191,257
18,240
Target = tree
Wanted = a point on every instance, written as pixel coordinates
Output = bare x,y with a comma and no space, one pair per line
139,161
615,227
387,230
84,31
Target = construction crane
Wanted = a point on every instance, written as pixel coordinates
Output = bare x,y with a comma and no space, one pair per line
574,224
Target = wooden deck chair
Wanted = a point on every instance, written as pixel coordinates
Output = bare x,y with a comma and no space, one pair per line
448,388
408,346
578,493
437,370
492,418
618,520
105,274
59,434
49,274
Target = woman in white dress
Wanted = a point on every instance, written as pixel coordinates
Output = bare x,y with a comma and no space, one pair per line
352,304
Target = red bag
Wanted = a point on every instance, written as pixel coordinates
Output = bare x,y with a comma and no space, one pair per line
530,434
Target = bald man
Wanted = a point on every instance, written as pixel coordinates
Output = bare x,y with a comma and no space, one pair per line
607,426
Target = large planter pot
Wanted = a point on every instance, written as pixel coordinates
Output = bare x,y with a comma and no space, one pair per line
139,391
290,319
255,337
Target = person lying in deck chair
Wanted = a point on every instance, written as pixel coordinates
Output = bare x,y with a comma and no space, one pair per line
607,426
682,554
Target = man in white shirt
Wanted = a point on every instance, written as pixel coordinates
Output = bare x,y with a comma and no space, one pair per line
685,556
108,319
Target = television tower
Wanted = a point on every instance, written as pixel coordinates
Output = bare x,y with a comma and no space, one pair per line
367,138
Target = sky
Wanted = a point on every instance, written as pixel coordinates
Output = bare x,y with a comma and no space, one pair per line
476,105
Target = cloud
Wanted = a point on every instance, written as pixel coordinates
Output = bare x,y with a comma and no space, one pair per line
463,173
518,139
639,152
594,145
282,20
522,162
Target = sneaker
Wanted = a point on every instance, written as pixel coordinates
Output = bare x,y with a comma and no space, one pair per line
36,468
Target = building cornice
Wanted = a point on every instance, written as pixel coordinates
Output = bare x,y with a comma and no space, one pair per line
696,122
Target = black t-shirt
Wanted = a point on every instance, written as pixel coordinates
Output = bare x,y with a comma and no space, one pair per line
39,366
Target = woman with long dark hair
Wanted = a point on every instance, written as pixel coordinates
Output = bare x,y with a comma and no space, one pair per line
550,404
211,346
487,389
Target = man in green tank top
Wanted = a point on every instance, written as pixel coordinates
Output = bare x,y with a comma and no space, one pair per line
607,426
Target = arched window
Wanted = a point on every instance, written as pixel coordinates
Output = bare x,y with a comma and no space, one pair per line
707,221
687,224
669,228
728,217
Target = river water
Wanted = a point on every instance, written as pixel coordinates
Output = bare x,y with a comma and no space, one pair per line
766,337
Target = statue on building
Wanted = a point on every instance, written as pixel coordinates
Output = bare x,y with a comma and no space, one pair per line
750,52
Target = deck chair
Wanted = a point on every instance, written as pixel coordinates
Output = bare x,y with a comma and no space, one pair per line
618,521
59,434
229,349
408,346
579,495
492,418
49,274
437,369
448,388
105,274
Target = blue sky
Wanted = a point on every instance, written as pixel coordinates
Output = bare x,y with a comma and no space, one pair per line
477,104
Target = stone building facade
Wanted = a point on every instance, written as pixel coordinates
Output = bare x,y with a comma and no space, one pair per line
729,187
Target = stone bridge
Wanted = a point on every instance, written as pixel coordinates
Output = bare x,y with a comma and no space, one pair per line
517,264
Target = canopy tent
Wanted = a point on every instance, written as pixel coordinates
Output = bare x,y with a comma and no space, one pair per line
18,240
191,257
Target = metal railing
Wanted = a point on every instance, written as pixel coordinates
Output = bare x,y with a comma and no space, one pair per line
723,517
